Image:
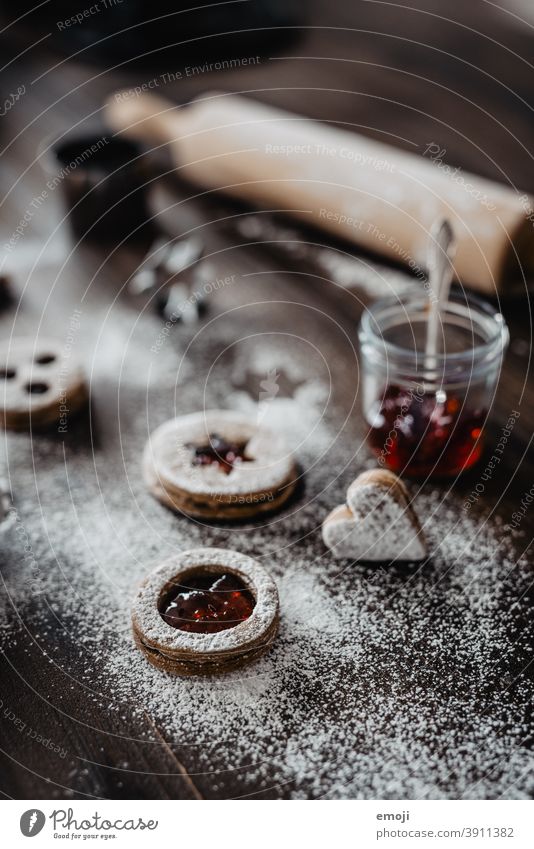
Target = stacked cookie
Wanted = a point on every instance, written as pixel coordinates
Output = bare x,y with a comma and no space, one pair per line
183,653
219,464
41,384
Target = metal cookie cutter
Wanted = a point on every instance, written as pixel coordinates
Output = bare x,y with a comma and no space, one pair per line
170,271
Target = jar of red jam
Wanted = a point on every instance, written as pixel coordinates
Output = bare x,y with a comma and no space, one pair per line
426,412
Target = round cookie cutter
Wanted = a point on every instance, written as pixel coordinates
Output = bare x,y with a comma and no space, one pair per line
184,653
104,182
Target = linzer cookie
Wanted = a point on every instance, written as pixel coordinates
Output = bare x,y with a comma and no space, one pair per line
219,465
204,612
40,384
378,522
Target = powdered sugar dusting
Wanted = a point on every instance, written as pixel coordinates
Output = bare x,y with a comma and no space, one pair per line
370,277
153,627
398,682
170,452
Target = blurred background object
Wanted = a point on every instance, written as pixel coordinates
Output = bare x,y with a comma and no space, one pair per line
103,182
521,12
121,31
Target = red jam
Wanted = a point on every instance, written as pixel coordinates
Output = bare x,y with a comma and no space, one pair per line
425,434
207,603
225,454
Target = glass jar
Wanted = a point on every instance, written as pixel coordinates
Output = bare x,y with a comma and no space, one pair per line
426,414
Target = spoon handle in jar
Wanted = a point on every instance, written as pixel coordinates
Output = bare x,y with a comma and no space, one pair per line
440,273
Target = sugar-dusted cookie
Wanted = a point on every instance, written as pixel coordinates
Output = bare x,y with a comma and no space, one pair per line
40,383
204,612
377,523
219,464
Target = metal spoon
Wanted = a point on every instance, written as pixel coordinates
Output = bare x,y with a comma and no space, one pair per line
441,252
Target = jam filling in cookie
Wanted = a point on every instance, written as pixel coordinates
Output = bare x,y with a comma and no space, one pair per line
208,603
205,612
225,454
220,465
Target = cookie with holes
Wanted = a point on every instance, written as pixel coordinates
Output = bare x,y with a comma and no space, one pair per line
40,384
377,523
204,612
219,465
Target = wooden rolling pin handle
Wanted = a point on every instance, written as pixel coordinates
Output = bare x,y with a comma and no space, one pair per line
375,195
145,116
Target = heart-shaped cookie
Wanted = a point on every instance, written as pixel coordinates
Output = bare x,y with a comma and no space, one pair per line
378,522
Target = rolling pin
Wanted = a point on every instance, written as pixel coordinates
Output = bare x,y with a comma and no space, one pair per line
369,193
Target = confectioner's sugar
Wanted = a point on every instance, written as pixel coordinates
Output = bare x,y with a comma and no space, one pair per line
378,528
399,682
369,277
300,417
269,462
167,639
265,360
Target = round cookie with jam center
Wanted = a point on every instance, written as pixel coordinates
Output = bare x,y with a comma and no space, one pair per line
219,464
205,611
40,383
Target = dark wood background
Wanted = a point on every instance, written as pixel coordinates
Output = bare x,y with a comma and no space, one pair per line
456,73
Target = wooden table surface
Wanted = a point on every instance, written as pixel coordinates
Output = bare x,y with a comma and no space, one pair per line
457,74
